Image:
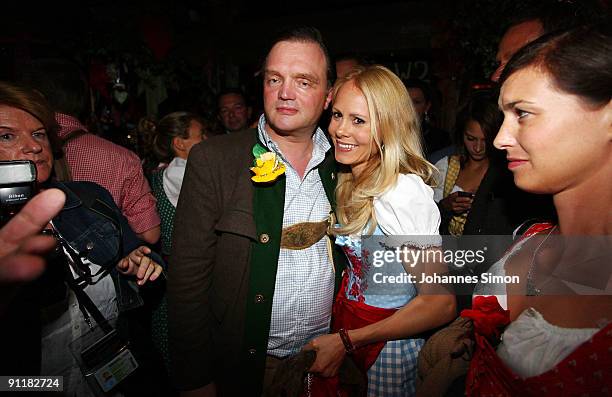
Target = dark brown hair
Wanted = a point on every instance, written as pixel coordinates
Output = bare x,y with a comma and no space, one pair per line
483,109
579,62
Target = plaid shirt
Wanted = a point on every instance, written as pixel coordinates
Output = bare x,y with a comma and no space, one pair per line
304,289
92,158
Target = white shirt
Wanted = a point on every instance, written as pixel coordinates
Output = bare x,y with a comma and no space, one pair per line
304,289
173,179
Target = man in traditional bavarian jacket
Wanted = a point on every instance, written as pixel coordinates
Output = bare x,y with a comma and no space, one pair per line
253,273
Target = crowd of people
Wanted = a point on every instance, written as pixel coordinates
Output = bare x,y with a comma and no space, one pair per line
241,263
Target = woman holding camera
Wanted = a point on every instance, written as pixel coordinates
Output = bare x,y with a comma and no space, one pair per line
95,241
461,173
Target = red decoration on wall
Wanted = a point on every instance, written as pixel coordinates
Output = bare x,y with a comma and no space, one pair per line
156,34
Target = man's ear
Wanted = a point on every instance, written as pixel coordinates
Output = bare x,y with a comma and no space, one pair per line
328,99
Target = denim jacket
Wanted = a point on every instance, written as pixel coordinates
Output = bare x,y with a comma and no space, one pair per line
91,233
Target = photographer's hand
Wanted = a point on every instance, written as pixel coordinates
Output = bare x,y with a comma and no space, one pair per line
21,245
138,264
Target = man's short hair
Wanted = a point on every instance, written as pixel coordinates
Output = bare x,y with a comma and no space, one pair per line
231,91
304,34
555,15
422,85
351,56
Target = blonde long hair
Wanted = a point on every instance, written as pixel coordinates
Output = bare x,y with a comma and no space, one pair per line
395,131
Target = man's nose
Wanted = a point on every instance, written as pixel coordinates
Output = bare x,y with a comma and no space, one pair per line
286,91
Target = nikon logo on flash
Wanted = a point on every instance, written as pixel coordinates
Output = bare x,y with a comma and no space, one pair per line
16,195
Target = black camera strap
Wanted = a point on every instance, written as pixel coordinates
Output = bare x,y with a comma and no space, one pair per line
87,307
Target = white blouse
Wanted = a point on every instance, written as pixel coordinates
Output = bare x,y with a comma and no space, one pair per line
407,210
173,179
531,345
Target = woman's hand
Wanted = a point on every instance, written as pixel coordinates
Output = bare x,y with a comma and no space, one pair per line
138,264
330,354
456,204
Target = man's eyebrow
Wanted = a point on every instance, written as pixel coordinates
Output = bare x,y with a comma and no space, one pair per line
307,76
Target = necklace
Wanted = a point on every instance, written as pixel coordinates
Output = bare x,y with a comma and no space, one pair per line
532,290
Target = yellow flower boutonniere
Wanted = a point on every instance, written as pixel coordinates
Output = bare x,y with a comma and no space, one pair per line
267,166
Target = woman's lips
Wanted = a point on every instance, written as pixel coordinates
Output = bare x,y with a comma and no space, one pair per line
344,147
514,163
